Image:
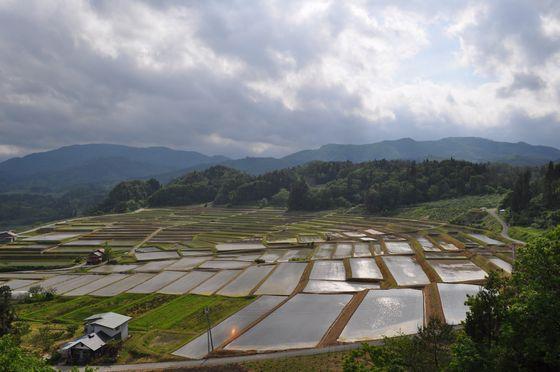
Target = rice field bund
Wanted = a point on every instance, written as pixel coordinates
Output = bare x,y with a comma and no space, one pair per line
269,280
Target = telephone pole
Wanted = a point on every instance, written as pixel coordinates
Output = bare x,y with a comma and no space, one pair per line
209,331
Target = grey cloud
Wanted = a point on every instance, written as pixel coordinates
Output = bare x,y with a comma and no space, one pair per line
55,89
522,81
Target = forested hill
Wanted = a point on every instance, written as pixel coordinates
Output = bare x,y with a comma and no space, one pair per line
474,149
95,164
380,185
61,170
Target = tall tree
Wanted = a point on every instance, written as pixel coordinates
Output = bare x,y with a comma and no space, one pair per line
7,311
299,195
548,188
521,192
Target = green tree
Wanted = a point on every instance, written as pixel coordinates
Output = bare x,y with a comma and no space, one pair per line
513,324
429,350
299,195
14,359
435,340
533,329
7,311
45,337
108,252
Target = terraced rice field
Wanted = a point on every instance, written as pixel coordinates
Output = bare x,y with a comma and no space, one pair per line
271,280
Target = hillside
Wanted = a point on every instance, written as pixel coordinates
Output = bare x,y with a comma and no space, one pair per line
473,149
66,167
103,164
380,185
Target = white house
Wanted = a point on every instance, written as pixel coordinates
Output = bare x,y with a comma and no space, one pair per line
99,329
113,325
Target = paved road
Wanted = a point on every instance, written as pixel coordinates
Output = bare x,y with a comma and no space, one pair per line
224,360
505,228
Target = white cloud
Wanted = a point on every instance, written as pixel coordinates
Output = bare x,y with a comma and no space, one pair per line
270,77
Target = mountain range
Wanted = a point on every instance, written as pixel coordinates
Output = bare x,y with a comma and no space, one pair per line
106,164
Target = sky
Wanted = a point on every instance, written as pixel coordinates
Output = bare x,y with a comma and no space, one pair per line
267,78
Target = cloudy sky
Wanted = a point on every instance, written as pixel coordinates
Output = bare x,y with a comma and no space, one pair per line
248,78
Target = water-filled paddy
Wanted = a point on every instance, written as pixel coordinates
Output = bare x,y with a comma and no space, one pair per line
299,323
244,284
364,269
453,297
455,271
186,283
328,270
283,279
406,271
123,285
216,282
399,248
230,327
157,282
385,313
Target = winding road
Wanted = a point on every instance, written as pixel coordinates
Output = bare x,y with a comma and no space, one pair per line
505,228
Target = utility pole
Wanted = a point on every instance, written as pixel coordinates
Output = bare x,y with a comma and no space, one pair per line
209,332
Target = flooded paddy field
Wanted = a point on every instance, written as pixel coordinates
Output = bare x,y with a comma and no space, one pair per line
299,323
406,271
271,280
456,271
453,297
385,313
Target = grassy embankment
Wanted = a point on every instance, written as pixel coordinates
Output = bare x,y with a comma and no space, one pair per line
448,209
524,233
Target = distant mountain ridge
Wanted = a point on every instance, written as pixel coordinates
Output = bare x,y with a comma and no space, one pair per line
105,164
101,164
472,149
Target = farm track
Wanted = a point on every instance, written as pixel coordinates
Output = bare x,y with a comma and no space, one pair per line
224,360
505,227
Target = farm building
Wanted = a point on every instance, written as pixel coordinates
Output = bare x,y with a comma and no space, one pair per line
83,349
7,236
114,325
96,257
99,329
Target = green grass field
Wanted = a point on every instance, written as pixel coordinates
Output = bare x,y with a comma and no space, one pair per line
448,209
184,313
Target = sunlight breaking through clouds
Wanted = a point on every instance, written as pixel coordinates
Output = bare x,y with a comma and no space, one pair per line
271,77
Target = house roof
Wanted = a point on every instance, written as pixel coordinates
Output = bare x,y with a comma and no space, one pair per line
92,341
10,233
109,320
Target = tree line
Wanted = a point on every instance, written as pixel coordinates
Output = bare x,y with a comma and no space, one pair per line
535,197
380,185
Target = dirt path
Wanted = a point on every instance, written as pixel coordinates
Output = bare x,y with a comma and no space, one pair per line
505,228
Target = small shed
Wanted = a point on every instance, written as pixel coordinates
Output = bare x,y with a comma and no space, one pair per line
83,349
8,236
113,325
96,257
